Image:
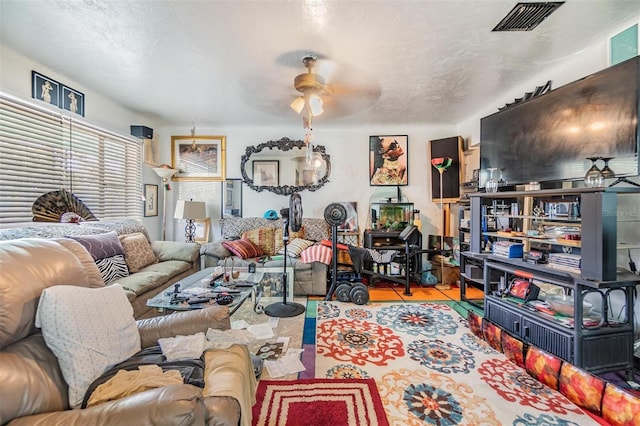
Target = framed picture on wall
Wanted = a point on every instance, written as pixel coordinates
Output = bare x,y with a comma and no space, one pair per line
351,222
198,157
266,172
231,198
72,100
45,89
388,160
202,230
150,200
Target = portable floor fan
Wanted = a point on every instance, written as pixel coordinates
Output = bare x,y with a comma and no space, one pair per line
292,219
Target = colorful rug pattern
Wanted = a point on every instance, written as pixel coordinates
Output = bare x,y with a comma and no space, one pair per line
430,368
318,402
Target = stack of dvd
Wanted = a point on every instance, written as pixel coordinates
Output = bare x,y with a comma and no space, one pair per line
566,262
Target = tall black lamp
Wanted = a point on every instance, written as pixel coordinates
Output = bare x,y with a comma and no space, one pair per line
191,211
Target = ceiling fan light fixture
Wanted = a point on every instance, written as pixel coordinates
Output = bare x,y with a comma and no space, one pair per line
298,104
315,104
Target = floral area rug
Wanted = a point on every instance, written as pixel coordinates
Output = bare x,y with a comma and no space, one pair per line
430,369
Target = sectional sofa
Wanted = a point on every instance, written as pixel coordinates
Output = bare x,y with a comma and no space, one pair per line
124,255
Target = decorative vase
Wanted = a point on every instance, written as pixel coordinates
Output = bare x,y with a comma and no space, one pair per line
593,178
492,182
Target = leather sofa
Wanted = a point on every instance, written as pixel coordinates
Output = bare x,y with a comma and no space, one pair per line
33,390
309,278
177,260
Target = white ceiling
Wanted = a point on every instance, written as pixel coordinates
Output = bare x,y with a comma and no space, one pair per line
233,62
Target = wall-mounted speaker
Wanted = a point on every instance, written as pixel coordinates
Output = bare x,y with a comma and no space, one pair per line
143,132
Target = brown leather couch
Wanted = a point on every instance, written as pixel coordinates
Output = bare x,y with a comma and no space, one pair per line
33,390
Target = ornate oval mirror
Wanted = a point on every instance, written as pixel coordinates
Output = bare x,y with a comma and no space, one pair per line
284,167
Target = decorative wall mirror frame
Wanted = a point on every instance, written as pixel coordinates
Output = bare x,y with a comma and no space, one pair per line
285,145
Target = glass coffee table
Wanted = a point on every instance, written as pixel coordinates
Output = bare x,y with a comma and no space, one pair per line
194,292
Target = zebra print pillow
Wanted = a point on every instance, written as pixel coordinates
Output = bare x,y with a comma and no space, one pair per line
112,268
108,253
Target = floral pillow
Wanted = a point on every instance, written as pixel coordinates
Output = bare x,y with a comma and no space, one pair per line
262,238
243,248
137,251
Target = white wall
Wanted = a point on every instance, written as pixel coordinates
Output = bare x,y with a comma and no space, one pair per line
348,149
15,79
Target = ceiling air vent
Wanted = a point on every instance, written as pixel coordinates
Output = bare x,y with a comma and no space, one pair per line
527,16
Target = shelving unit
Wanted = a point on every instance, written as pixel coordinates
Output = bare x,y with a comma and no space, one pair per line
598,345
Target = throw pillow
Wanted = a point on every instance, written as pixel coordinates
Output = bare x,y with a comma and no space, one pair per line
278,243
242,248
297,246
88,330
262,238
137,251
107,252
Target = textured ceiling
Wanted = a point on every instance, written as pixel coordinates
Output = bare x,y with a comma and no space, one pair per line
233,62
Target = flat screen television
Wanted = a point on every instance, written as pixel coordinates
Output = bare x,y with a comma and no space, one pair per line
549,137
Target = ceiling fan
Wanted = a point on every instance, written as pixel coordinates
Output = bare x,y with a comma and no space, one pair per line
311,86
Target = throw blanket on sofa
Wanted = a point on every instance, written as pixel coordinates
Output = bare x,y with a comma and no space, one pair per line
129,382
316,253
191,370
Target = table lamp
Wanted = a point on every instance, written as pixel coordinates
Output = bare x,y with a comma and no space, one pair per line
191,211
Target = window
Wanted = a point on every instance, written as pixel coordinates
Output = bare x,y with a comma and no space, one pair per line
43,150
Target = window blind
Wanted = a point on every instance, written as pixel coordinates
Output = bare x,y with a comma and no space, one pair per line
42,151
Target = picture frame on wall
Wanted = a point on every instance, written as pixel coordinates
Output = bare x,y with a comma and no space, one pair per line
198,158
150,200
45,89
266,172
72,100
231,198
351,222
202,230
389,160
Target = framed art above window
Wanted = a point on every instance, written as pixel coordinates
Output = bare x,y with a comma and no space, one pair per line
198,157
388,160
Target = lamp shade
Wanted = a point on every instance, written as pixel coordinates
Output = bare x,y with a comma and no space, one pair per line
315,104
164,171
298,104
190,210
